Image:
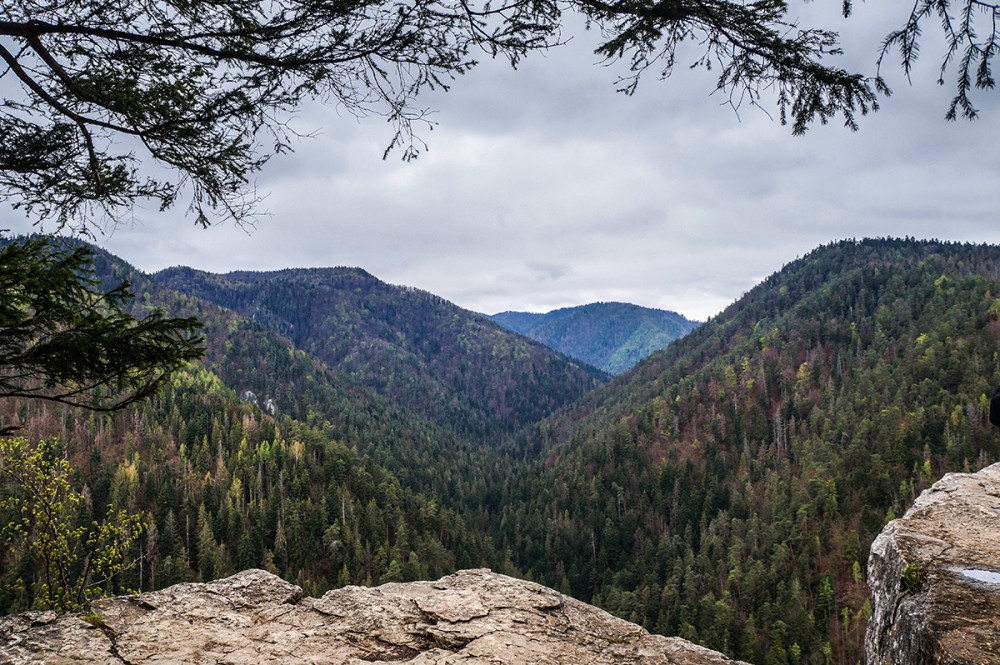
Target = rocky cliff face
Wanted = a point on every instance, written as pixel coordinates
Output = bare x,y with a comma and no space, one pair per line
935,577
473,617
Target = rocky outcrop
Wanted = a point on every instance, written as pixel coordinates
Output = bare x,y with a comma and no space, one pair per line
473,617
935,577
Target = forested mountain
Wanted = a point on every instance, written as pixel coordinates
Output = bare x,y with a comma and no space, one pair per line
725,489
424,353
611,336
264,456
728,488
266,369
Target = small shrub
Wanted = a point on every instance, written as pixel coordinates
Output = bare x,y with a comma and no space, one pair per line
913,578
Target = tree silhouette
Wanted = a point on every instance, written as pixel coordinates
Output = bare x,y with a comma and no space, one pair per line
64,339
102,96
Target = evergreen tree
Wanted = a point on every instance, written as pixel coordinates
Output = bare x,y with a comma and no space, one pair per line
64,339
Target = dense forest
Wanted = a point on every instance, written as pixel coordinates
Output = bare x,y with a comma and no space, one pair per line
226,487
611,336
426,354
726,489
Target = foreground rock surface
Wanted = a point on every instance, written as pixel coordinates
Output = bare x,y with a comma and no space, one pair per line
935,577
472,617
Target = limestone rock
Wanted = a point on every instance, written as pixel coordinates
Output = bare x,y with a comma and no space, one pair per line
935,577
474,617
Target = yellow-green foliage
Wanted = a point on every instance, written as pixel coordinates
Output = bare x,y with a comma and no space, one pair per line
73,560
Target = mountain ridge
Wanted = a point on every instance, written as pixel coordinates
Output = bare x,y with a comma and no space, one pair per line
437,359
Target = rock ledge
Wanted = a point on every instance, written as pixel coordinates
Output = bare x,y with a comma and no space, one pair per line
935,577
474,617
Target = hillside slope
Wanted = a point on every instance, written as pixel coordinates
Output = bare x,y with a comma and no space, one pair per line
260,456
426,354
266,368
611,336
728,488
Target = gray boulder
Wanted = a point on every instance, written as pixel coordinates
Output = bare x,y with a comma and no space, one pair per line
935,577
474,617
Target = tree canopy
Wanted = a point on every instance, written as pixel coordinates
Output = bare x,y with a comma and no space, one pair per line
100,97
64,339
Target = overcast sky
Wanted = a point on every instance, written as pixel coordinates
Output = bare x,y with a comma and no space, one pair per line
545,188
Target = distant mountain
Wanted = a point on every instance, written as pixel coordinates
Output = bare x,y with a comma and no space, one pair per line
611,336
447,364
727,489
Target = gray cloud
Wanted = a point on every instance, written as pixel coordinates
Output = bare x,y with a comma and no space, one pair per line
544,188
